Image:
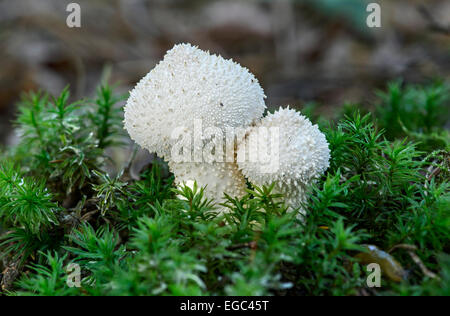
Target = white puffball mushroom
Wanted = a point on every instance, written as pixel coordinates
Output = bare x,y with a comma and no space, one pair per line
219,178
297,154
188,85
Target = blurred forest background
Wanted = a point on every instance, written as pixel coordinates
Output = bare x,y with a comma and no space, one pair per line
301,50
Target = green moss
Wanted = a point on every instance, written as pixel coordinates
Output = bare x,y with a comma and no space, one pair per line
387,185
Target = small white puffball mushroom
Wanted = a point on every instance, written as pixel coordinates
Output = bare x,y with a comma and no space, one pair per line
219,178
287,149
191,85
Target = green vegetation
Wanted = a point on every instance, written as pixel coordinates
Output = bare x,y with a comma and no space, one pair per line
387,186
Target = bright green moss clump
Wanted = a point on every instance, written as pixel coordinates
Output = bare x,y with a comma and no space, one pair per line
387,186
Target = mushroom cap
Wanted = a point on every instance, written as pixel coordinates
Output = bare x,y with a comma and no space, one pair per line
191,85
296,157
219,178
